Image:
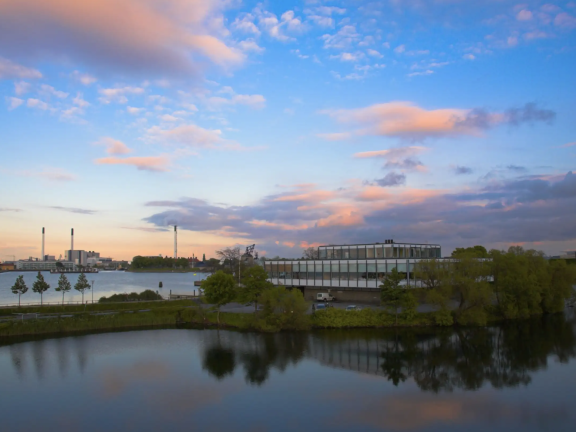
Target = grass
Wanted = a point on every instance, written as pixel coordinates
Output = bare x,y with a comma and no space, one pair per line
123,306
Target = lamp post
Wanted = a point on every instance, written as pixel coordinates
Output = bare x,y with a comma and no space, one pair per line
92,290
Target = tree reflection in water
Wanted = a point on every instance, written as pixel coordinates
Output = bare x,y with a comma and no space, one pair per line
438,360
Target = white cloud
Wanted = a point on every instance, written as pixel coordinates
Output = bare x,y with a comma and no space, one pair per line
168,118
245,24
276,28
469,57
83,78
21,87
189,135
250,45
37,103
374,53
400,49
114,146
51,91
13,102
426,72
134,110
118,94
79,100
11,70
348,57
524,15
343,39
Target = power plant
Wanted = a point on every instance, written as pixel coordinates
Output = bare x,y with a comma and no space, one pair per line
175,242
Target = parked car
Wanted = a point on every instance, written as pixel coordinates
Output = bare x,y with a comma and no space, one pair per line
353,308
325,297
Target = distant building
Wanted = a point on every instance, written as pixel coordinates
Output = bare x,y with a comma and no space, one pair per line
49,258
34,264
92,254
78,257
568,255
7,266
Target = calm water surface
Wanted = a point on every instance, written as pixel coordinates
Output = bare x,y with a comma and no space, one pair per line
106,283
519,377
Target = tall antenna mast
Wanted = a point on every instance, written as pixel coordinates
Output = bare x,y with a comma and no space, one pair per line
175,242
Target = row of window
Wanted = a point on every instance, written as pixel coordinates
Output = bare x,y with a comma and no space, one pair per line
379,251
340,271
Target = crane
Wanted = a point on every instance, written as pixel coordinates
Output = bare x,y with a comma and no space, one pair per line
13,257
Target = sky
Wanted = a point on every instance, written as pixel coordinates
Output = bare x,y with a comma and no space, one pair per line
286,124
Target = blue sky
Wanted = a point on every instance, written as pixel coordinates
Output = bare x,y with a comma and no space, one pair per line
286,124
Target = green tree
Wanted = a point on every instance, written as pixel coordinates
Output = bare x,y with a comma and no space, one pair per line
474,251
254,283
19,287
392,295
469,284
63,285
82,285
219,289
561,279
219,362
431,273
283,309
40,286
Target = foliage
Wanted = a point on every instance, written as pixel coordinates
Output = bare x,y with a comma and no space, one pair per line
340,318
140,262
469,283
254,283
393,296
64,285
475,251
431,273
147,295
40,286
282,310
219,362
219,289
562,277
82,285
19,287
230,256
310,253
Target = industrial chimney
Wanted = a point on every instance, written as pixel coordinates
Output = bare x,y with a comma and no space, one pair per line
71,244
175,242
42,257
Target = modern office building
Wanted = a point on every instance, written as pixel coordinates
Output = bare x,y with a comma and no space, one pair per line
350,272
35,264
78,257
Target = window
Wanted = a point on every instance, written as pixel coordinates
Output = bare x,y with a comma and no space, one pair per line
326,271
329,253
379,251
310,267
345,253
361,252
388,251
337,253
369,251
371,270
344,271
318,272
288,270
335,271
353,252
322,253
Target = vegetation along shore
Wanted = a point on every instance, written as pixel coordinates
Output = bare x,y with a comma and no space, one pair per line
471,291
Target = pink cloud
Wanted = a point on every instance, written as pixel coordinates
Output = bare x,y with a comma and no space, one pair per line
114,147
163,36
345,216
145,163
565,20
314,196
400,157
282,226
11,70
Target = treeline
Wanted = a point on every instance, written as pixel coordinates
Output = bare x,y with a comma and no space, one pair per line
141,262
146,295
509,284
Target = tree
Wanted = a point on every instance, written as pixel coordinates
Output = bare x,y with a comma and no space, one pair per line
40,286
82,285
310,253
254,283
19,287
203,257
230,256
392,295
219,289
562,277
283,309
59,265
63,285
475,251
431,273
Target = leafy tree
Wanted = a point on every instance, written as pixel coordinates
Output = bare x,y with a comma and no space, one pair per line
432,273
562,277
63,285
82,285
40,286
392,295
219,289
469,284
283,309
254,283
475,251
19,287
310,253
230,256
59,265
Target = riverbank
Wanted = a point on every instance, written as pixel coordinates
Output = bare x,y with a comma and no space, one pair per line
54,320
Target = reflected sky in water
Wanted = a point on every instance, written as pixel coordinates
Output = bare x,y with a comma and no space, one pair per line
521,376
106,283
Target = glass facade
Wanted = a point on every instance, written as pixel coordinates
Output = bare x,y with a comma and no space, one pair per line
379,250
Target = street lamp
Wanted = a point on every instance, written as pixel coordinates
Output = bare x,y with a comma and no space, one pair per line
92,290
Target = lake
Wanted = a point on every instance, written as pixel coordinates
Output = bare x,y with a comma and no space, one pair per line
515,377
106,283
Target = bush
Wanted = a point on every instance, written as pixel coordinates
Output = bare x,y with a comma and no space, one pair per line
147,295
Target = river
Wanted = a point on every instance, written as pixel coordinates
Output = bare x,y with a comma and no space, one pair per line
106,283
515,377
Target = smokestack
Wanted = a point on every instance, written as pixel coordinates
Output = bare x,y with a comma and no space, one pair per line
71,244
175,243
42,258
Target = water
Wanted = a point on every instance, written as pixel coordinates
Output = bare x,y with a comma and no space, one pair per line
106,283
518,377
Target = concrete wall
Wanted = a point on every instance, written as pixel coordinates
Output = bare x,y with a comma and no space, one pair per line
368,296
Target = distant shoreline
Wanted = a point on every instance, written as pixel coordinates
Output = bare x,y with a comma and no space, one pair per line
168,270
